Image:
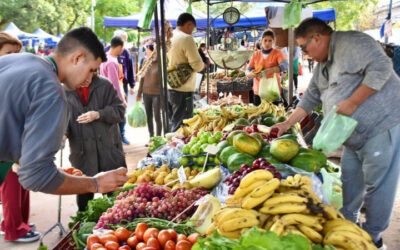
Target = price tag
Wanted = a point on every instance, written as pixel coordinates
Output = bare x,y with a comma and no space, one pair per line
211,149
202,200
181,175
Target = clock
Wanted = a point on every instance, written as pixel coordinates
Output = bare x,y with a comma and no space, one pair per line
254,33
231,15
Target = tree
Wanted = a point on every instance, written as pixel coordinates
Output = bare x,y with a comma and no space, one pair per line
348,13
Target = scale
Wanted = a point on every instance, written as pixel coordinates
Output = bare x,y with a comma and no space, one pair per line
231,15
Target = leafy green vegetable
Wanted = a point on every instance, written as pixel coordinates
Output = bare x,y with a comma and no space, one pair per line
157,141
254,239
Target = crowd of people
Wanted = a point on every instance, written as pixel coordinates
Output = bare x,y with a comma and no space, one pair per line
80,93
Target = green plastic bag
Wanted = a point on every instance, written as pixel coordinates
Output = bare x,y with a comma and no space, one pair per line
332,188
147,14
137,118
291,15
334,131
268,88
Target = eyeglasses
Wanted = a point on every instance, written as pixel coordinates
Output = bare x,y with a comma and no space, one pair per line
305,45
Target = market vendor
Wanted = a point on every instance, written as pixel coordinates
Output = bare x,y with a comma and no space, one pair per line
355,74
33,114
273,61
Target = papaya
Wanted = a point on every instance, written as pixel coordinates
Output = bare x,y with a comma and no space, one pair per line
229,139
269,121
225,153
235,161
221,145
265,115
264,152
280,119
258,69
245,143
307,162
259,138
242,121
287,136
284,150
317,155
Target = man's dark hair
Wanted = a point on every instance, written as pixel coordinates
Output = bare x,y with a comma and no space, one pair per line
81,37
268,33
184,18
117,41
310,26
202,45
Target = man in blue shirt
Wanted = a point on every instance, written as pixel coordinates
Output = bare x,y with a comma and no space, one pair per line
33,115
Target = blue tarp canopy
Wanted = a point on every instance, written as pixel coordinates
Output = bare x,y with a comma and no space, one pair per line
48,38
13,30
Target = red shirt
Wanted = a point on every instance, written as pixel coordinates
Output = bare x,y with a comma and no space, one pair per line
83,94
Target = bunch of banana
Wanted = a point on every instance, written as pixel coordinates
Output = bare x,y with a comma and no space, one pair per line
185,131
233,222
344,234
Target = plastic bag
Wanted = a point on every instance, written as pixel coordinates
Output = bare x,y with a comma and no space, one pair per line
292,15
334,131
269,88
137,117
332,188
221,190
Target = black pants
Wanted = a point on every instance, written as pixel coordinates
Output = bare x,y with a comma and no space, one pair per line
256,100
152,107
83,199
295,80
180,107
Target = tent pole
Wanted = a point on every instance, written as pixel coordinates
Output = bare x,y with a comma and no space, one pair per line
104,35
291,60
208,46
164,64
159,64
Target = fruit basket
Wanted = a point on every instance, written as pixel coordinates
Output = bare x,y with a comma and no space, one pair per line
229,59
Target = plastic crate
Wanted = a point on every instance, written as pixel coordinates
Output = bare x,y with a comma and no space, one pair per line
224,86
68,243
243,85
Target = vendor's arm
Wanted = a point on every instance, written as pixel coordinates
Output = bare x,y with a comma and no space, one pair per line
283,64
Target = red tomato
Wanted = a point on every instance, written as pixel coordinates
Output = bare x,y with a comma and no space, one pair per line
149,248
91,240
132,241
140,246
170,245
163,237
96,246
108,237
183,245
126,247
122,234
150,232
111,245
139,231
193,238
181,237
153,242
173,234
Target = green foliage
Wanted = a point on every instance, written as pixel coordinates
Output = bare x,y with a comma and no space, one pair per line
348,13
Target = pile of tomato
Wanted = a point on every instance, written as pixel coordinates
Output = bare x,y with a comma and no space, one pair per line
143,238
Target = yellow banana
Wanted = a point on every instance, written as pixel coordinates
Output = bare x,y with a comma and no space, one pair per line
313,235
330,212
355,237
238,223
250,202
307,220
238,213
254,176
345,225
268,187
284,208
231,235
191,120
294,230
270,221
344,241
211,228
278,227
285,198
241,192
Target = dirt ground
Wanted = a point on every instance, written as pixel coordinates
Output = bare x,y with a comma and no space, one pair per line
44,207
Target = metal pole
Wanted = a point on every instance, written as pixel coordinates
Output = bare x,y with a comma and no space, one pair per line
208,45
164,64
388,18
92,8
291,59
159,65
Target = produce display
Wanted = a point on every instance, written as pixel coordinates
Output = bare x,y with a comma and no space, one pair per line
286,207
247,194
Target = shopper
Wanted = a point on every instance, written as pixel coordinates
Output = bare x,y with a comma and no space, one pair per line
354,73
127,66
150,88
273,60
112,70
95,143
183,50
15,199
33,116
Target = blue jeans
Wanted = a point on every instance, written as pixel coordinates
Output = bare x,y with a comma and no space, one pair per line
370,175
122,128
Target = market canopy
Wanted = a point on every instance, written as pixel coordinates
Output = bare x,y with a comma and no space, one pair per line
13,30
46,36
173,8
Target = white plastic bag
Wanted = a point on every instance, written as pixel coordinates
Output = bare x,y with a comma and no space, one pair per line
268,88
